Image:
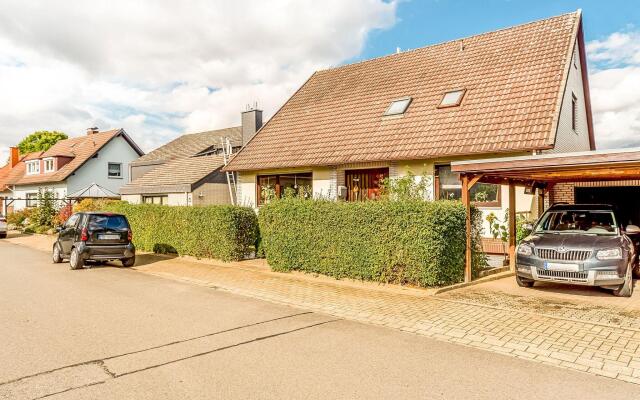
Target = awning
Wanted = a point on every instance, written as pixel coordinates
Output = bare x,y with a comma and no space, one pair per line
93,191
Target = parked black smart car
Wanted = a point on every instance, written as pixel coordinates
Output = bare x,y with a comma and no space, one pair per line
95,236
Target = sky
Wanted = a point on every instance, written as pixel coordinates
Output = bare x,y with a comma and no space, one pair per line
160,68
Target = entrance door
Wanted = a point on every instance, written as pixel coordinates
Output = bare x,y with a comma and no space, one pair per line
364,184
624,198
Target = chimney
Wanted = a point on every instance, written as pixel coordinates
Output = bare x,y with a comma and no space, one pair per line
14,156
92,130
251,123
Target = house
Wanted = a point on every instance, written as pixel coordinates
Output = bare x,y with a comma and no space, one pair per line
69,166
188,170
517,91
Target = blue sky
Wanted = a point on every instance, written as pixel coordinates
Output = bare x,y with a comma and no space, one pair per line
163,68
424,22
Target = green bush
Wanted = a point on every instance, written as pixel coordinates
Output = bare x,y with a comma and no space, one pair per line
224,232
406,242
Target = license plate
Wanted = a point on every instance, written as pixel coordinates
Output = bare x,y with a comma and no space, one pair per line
561,267
108,237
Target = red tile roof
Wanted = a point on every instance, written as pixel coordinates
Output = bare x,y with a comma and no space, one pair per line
514,80
81,148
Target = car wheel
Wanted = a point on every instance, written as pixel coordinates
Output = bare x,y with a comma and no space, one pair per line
626,289
75,260
522,282
57,255
129,262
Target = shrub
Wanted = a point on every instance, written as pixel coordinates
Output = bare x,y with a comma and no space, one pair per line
224,232
20,217
92,205
407,241
63,215
44,214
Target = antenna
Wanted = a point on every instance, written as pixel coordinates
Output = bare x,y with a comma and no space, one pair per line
398,51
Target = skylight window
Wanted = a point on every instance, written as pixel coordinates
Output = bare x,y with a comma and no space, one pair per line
398,107
452,98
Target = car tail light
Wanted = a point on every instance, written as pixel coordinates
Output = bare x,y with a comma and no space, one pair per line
129,235
83,235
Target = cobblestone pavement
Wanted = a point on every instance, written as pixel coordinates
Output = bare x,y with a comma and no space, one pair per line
557,333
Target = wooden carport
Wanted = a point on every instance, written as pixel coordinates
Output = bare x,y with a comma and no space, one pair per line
539,173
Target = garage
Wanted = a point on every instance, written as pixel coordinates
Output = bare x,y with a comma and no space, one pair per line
626,200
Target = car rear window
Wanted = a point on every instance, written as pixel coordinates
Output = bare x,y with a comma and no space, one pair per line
115,222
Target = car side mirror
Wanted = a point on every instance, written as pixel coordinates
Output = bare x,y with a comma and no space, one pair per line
527,227
632,229
59,229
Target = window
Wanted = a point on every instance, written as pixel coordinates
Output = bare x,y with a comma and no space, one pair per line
276,186
32,199
48,164
574,112
115,170
364,184
449,187
72,221
33,167
110,222
158,199
452,98
398,107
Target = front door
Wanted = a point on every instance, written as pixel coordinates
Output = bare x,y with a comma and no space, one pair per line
364,184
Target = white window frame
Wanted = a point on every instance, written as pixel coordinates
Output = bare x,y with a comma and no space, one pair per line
53,164
109,173
36,167
31,201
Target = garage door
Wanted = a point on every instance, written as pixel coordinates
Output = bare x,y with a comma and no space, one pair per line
626,199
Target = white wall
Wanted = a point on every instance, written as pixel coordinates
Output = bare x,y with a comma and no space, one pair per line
95,169
179,199
132,198
60,190
568,140
246,194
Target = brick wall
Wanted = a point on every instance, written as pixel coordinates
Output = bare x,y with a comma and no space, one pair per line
565,192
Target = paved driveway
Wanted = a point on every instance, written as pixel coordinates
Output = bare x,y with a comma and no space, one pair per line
117,333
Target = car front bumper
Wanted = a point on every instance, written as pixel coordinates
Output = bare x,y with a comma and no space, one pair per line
113,252
593,277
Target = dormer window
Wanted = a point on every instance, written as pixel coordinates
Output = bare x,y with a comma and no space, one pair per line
452,98
398,107
49,165
33,167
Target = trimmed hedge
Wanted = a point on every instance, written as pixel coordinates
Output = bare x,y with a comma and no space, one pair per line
406,242
224,232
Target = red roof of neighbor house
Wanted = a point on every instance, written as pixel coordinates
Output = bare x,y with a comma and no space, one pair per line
79,149
514,80
4,173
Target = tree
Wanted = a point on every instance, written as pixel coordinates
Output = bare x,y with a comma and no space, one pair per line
40,141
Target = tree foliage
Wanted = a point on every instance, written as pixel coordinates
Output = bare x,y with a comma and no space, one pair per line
40,141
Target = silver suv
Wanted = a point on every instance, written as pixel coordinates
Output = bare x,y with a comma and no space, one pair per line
580,244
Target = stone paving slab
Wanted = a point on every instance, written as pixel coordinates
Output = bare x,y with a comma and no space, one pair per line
579,340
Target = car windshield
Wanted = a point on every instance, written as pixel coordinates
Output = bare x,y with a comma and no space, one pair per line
577,221
114,222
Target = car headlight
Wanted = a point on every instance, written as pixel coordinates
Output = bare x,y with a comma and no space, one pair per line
609,254
525,250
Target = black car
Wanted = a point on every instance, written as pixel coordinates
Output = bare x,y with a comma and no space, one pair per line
94,236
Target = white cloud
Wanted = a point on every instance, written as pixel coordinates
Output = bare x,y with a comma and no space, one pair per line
158,68
615,89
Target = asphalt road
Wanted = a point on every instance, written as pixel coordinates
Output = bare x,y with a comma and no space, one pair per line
116,333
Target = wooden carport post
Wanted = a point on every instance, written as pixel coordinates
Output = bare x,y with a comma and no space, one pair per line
512,226
467,205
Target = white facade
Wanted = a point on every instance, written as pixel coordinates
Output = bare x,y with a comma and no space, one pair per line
94,170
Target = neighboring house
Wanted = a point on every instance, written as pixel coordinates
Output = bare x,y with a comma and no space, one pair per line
188,170
70,166
516,91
